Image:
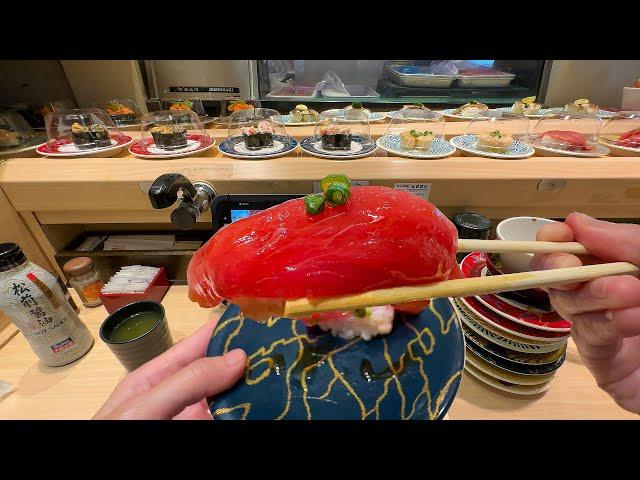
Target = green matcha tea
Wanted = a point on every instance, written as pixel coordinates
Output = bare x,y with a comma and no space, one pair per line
134,326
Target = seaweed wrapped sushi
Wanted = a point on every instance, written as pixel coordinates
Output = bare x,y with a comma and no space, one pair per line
90,136
169,137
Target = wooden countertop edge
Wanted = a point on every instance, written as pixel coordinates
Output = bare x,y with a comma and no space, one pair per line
47,170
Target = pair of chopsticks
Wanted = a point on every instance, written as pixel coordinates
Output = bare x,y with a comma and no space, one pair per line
472,286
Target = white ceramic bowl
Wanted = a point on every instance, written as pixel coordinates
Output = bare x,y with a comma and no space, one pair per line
519,228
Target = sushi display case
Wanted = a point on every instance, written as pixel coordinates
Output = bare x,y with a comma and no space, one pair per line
171,134
16,135
416,132
565,133
621,134
496,134
256,133
124,112
500,82
82,132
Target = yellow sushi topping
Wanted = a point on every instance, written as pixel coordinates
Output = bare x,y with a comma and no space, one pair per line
528,100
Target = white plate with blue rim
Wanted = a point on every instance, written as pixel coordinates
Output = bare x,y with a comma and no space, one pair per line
517,150
359,148
373,116
235,147
440,148
286,120
541,113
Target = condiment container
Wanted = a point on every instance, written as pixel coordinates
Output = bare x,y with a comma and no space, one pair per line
134,283
137,333
36,304
472,225
85,279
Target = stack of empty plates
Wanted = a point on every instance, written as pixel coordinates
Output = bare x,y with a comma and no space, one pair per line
515,342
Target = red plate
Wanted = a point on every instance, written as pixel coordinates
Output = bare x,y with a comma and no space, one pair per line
502,323
145,148
57,147
473,265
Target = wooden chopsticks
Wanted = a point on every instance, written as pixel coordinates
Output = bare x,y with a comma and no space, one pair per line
459,288
472,286
527,246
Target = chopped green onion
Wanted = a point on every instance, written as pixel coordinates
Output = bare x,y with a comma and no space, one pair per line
334,178
357,105
362,312
338,193
417,104
314,203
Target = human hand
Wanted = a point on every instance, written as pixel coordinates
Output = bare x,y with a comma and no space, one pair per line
176,384
605,312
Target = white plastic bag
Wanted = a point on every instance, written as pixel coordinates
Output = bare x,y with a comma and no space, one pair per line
331,86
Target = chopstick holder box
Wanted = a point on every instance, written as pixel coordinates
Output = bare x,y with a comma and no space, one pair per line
155,291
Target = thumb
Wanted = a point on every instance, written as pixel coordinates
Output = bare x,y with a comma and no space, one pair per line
606,240
200,379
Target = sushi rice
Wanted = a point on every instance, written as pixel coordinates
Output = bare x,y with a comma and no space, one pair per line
377,321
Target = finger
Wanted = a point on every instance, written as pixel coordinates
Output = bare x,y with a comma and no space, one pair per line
609,241
200,379
197,411
556,260
626,320
154,371
555,232
605,293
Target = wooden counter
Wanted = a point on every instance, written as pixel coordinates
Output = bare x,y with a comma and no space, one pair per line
76,391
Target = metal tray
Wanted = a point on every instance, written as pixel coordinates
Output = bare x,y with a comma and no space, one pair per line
470,81
412,76
360,91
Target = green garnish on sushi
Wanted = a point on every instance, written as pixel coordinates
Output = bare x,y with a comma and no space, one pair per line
314,203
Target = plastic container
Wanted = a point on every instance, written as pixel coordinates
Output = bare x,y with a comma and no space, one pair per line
621,134
85,279
82,132
569,134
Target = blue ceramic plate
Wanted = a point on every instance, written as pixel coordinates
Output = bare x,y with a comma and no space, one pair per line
373,116
235,147
440,148
359,149
467,143
296,372
286,120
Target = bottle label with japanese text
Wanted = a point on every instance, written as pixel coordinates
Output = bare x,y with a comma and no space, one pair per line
34,301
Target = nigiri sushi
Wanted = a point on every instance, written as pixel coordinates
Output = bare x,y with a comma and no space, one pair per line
495,141
565,140
526,106
630,139
378,238
582,105
471,109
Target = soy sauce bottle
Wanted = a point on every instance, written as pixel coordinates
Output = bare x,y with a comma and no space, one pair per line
32,298
471,225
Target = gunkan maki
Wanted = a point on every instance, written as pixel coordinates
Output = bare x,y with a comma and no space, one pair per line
169,137
335,138
121,114
90,136
258,137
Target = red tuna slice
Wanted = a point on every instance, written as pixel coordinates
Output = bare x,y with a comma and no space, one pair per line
575,140
381,238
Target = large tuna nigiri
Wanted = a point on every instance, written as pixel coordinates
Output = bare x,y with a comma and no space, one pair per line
380,238
566,139
630,139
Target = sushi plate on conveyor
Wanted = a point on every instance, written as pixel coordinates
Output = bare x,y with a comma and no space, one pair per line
440,148
235,147
299,372
196,144
517,150
359,148
66,148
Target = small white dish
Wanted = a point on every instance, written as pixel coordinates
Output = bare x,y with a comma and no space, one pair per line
519,228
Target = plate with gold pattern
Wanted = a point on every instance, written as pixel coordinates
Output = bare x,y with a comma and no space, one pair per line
300,372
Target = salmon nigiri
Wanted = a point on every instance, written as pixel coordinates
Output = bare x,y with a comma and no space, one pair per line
380,238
